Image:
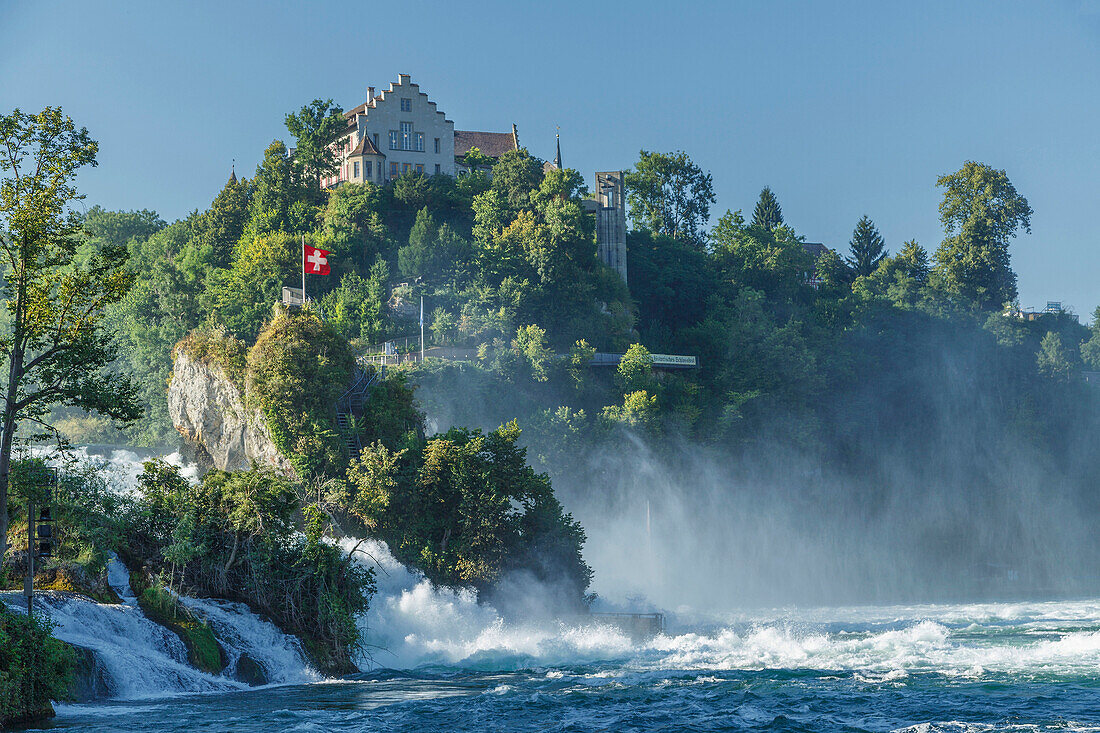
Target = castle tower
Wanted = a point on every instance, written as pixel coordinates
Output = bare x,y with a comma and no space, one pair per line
611,221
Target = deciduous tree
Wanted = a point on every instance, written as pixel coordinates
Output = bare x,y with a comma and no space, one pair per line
981,210
56,350
669,194
316,127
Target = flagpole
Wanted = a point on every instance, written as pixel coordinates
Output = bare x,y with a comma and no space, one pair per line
303,270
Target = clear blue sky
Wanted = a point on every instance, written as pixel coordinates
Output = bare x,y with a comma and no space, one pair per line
843,109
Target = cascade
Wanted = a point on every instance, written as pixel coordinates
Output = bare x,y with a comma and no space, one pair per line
138,658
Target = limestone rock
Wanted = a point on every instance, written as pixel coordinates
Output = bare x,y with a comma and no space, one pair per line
209,412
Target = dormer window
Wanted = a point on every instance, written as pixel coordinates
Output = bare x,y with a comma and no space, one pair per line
406,104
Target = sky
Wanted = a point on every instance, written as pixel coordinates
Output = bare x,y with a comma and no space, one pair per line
843,109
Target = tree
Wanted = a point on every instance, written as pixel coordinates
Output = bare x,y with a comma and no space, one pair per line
1090,349
867,248
980,211
530,346
767,214
516,175
280,200
771,261
668,194
56,350
315,128
1054,359
635,371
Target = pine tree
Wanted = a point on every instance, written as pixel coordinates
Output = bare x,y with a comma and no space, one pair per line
768,213
867,248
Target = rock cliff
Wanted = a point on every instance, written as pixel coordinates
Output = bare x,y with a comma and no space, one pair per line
209,412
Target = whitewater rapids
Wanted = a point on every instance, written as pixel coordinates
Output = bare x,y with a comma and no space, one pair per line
436,660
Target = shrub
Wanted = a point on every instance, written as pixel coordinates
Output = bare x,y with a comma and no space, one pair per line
35,668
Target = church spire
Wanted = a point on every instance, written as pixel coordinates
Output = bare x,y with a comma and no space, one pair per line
233,173
557,158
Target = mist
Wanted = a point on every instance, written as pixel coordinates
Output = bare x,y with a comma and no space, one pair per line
935,483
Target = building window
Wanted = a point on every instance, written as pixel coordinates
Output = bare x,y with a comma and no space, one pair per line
437,148
393,170
406,135
405,168
437,168
355,169
420,168
406,105
367,173
394,140
420,142
376,140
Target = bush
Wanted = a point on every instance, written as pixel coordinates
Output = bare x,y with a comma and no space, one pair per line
35,668
297,371
234,536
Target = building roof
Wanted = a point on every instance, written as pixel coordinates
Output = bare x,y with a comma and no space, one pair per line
493,144
365,147
815,248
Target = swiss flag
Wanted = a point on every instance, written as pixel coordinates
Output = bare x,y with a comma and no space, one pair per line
315,260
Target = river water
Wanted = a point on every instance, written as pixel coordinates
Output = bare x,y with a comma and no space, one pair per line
439,661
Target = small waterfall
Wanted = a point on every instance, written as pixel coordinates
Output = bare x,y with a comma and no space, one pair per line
252,642
139,658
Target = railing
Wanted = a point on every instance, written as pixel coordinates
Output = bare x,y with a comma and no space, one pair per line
635,625
350,402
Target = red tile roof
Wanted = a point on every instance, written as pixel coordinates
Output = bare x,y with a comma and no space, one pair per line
493,144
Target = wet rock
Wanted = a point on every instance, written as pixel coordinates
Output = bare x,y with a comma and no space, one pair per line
250,671
89,677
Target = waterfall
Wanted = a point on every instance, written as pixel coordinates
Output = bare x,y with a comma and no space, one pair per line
251,642
138,658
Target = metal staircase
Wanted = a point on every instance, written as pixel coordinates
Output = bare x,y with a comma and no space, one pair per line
349,408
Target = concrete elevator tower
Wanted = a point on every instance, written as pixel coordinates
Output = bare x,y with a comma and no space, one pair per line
611,221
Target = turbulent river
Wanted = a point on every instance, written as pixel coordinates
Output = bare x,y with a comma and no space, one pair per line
438,661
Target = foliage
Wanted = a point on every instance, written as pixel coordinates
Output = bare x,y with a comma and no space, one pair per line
1054,358
233,536
296,371
34,669
866,247
772,261
315,127
768,214
670,195
55,350
980,211
467,510
215,347
635,371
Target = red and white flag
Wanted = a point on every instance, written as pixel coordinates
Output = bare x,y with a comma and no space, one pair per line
315,261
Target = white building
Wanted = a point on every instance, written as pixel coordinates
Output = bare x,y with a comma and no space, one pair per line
401,131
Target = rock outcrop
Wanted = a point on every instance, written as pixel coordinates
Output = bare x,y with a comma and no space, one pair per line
209,412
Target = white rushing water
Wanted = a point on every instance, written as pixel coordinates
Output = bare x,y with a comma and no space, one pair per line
139,658
411,623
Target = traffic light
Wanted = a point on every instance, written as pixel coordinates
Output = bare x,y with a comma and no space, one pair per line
45,535
45,516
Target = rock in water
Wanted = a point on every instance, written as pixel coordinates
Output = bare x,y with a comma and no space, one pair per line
208,410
